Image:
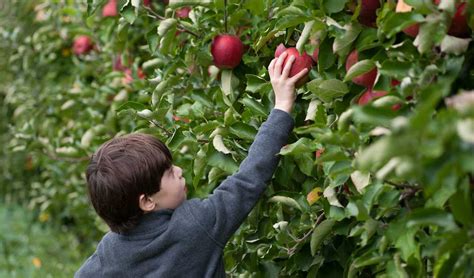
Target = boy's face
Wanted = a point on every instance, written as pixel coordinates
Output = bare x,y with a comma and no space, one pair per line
173,189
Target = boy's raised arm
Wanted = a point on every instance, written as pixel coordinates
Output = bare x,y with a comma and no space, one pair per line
225,210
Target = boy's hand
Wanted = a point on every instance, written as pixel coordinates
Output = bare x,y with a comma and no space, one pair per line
283,85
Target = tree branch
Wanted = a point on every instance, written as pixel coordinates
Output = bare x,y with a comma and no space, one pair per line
180,26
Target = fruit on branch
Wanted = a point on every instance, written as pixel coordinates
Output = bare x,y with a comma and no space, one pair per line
369,95
183,12
301,62
367,79
279,50
459,27
110,9
82,45
367,14
395,82
411,30
147,3
129,75
319,152
227,51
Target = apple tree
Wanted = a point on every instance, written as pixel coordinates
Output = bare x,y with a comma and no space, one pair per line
377,178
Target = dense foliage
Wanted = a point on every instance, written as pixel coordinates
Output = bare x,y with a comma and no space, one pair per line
375,181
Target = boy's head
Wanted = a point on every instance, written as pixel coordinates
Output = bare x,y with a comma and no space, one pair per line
132,175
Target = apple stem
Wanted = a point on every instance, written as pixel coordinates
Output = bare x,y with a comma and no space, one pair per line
225,16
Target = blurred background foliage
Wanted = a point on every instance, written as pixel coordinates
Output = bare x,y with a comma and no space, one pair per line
378,188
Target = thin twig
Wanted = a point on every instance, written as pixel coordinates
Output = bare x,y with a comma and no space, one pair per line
402,185
180,26
298,241
155,123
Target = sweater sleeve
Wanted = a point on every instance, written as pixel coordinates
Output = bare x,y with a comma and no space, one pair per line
221,214
91,268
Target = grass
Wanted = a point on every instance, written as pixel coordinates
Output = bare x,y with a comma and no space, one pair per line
30,248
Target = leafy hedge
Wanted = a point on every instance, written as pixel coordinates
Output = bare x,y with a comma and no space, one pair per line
382,188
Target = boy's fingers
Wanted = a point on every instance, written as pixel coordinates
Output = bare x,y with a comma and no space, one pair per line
300,74
287,68
271,67
277,70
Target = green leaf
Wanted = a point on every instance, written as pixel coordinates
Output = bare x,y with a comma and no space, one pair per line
254,105
431,216
303,145
308,26
285,201
305,162
396,22
182,3
166,25
131,105
429,33
257,7
397,69
243,131
342,43
334,6
223,162
255,83
461,204
320,233
328,90
359,68
128,12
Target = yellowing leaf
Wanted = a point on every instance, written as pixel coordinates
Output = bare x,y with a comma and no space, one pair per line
36,262
43,217
314,195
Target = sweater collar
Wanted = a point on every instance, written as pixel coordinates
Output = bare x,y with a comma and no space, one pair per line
151,223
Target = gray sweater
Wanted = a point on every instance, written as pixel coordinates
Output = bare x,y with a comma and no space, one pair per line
189,241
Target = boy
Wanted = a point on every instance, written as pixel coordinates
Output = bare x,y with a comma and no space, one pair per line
141,195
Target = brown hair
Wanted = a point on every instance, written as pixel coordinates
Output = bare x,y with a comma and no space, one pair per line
120,171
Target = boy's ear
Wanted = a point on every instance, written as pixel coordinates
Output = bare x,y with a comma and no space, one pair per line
146,203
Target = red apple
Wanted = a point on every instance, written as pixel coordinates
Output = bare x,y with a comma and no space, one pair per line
367,14
279,50
147,3
227,51
459,27
411,30
110,9
394,82
319,152
82,45
140,73
369,95
183,12
367,79
301,61
128,78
